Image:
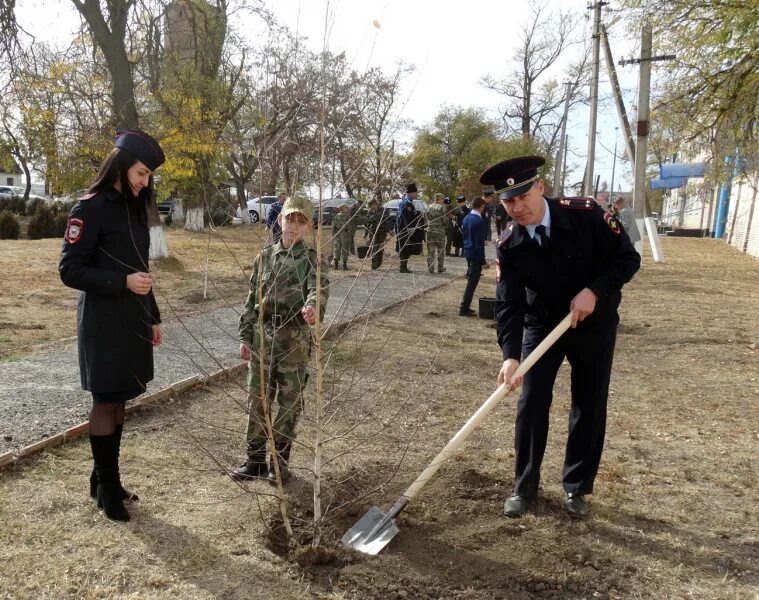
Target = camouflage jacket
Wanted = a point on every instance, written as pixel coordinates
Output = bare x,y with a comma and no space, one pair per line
378,224
341,229
436,219
287,279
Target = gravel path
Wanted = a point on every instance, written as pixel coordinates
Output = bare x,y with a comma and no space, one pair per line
40,394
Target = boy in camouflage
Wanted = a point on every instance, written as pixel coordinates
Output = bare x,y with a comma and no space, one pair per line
341,237
276,338
436,218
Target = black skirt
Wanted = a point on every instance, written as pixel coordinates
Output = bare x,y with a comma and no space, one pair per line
123,396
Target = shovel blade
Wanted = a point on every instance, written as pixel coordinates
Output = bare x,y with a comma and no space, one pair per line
358,536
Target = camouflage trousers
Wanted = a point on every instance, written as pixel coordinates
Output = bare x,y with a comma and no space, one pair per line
435,244
285,359
340,248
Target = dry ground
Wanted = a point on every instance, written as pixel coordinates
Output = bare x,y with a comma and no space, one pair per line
36,309
674,513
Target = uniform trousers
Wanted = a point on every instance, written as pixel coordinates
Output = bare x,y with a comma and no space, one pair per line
590,354
284,363
435,245
473,273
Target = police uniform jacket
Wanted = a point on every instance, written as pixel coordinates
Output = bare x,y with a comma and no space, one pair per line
106,240
587,248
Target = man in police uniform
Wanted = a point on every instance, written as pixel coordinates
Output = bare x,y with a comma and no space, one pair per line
272,218
557,256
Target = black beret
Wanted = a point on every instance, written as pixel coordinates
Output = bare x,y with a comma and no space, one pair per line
513,177
461,198
411,188
141,146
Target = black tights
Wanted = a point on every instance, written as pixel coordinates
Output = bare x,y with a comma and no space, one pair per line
104,417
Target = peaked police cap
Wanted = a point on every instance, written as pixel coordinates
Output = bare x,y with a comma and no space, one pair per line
141,146
514,176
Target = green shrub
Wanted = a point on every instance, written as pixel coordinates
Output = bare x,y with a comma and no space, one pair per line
61,222
31,208
42,224
14,204
9,226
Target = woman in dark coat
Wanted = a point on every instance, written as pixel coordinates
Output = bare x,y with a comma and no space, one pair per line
105,256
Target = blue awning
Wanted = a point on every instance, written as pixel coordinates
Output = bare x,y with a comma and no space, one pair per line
682,170
669,183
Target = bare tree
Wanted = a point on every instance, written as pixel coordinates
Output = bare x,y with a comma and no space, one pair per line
532,101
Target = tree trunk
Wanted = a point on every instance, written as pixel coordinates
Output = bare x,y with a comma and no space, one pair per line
193,220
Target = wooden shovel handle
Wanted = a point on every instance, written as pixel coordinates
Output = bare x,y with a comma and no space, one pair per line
475,419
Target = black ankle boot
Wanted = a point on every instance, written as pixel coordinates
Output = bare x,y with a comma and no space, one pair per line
282,455
125,493
254,466
108,490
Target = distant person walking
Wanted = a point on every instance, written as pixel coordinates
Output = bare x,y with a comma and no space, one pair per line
408,228
105,256
437,215
341,237
626,216
272,218
474,233
378,225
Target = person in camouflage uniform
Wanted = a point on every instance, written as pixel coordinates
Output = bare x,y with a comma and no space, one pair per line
341,238
276,339
436,218
378,224
356,219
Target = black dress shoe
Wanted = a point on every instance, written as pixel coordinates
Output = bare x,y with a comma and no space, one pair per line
576,506
516,506
467,313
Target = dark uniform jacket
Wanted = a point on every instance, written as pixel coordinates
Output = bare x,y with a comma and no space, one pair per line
587,248
105,241
409,227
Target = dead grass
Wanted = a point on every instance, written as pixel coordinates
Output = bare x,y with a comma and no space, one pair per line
674,513
36,309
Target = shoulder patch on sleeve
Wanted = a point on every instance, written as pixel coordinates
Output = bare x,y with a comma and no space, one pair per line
579,203
505,235
612,222
74,230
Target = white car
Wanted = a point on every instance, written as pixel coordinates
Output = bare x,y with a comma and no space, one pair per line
258,208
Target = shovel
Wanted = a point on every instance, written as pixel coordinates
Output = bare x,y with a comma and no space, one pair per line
375,529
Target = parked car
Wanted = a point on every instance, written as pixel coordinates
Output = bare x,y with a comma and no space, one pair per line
328,207
391,207
258,208
164,208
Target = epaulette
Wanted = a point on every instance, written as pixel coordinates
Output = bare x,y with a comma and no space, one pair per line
578,203
505,234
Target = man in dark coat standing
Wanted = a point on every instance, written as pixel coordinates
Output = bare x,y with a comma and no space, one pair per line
409,228
558,256
474,231
461,211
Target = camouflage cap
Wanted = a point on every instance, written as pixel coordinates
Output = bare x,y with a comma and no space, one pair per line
298,204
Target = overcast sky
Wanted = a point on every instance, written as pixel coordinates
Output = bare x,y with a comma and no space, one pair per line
452,46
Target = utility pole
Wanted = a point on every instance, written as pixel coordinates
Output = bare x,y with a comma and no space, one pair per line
626,132
588,187
614,164
641,144
564,163
557,172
